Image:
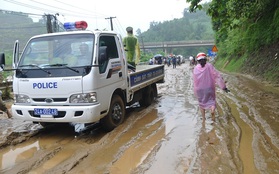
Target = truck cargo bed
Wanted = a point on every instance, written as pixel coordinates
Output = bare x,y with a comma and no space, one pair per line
146,75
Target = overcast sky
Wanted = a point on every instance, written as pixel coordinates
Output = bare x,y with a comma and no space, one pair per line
137,14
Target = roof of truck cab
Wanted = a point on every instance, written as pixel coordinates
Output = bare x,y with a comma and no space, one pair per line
96,32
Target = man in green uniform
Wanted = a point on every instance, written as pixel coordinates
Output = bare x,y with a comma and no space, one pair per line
131,46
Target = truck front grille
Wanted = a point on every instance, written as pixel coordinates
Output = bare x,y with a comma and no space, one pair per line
54,99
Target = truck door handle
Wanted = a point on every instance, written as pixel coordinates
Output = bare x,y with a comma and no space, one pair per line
120,74
109,74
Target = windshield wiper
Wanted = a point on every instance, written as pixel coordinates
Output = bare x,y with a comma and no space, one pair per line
34,65
64,65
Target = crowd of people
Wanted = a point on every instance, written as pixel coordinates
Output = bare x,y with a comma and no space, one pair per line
169,60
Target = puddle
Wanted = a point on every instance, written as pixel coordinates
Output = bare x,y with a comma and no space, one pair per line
166,137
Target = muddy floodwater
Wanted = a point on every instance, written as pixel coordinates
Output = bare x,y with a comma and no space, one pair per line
167,137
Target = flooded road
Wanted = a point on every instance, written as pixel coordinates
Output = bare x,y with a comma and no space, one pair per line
166,137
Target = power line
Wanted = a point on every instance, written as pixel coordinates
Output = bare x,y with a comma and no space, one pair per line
65,12
20,13
55,25
27,5
79,8
59,23
72,13
120,28
5,28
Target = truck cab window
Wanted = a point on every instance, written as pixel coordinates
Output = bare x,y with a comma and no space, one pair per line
109,43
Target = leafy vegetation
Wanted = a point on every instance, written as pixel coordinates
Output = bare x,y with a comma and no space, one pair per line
247,35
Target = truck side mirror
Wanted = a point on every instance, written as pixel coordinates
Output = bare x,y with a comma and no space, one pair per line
2,61
16,54
103,57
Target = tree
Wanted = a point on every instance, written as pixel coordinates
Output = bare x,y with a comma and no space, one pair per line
231,14
194,5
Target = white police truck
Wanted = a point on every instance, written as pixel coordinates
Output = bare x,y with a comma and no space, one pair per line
78,77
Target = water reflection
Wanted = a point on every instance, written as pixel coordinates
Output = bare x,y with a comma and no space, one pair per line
51,137
11,156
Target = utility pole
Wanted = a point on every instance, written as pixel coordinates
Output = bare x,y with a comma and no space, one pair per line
142,43
52,24
49,24
111,25
56,27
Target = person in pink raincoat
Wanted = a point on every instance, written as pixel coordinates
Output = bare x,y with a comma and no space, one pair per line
205,78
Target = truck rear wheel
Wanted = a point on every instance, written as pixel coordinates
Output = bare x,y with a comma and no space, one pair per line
148,96
116,114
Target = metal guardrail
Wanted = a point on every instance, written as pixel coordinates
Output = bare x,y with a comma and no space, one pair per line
176,44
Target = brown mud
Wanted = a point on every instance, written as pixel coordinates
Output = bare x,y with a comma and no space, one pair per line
166,137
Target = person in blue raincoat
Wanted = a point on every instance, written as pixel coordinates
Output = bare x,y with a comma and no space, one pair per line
174,62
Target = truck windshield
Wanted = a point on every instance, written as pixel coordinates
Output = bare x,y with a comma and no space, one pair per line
71,50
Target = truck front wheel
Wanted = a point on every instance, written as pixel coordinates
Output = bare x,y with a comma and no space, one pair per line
116,114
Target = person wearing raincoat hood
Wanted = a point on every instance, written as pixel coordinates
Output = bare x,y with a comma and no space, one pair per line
132,48
205,77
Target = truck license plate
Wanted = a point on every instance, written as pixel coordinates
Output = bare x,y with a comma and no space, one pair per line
45,111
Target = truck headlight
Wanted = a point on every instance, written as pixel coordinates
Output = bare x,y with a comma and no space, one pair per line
84,98
21,98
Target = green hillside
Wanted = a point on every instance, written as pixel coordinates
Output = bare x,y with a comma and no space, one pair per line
17,26
192,26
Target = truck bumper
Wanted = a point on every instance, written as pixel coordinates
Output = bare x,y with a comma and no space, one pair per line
66,114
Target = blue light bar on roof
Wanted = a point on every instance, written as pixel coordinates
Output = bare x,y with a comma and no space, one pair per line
79,25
